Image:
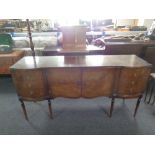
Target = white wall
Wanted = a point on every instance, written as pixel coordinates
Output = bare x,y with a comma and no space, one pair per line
134,22
126,22
148,23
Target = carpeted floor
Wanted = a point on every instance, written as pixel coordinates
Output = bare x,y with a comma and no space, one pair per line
72,116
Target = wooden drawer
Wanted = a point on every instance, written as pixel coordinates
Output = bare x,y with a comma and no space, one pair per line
64,82
98,82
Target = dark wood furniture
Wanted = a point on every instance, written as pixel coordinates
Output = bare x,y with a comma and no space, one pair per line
74,37
8,59
45,78
143,49
89,50
111,48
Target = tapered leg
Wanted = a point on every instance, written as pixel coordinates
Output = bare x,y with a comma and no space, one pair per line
137,105
50,108
24,109
112,106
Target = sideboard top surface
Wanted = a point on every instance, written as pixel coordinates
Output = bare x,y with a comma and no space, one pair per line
80,61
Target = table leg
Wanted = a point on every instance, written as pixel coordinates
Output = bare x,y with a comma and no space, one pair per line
112,106
24,109
50,108
137,105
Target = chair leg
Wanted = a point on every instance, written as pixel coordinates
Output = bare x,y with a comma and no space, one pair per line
112,106
150,94
137,105
153,101
147,90
24,109
50,108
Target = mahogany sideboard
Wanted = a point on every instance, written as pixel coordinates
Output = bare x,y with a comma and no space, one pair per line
47,77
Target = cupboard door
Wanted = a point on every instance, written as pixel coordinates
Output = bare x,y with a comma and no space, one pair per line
65,82
30,84
98,82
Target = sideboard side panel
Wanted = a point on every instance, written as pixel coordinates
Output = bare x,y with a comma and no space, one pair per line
132,81
30,84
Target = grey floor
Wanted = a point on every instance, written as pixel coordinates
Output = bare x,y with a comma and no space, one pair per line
72,116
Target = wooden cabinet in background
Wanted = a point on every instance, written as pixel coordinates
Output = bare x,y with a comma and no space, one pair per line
74,37
8,59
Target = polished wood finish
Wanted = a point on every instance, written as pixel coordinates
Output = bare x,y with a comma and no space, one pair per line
132,82
88,50
138,48
45,62
64,82
123,76
98,82
143,49
30,84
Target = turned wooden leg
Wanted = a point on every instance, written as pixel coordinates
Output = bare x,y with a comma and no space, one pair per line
50,108
137,105
112,106
152,89
24,109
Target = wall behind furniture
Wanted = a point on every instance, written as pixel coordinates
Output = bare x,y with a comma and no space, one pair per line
148,23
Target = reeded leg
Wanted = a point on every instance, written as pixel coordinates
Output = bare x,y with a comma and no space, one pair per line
50,108
24,109
112,106
137,105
